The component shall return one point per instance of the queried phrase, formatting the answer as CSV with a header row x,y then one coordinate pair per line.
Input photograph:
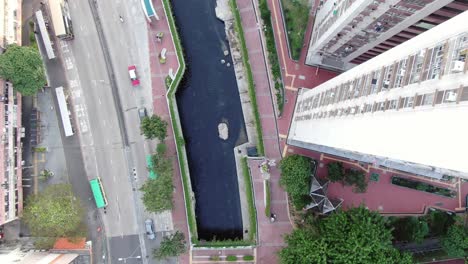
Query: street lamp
x,y
125,259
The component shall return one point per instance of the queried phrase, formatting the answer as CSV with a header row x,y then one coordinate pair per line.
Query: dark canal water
x,y
208,95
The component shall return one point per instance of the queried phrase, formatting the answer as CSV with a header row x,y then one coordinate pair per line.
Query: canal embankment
x,y
206,97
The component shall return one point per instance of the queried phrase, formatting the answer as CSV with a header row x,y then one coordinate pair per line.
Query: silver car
x,y
150,229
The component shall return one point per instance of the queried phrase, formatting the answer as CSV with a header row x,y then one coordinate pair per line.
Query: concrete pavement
x,y
72,155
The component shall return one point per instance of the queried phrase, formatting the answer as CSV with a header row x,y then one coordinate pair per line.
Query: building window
x,y
408,102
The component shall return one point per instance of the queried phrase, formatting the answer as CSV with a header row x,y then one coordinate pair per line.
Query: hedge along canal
x,y
207,96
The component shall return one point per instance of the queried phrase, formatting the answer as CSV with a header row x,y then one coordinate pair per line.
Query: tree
x,y
55,212
22,66
154,127
354,236
409,229
171,246
295,178
157,193
455,243
45,175
356,178
335,171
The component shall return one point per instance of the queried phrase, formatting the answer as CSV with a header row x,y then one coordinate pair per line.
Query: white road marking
x,y
99,99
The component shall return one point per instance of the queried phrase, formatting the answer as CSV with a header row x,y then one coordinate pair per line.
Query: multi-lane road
x,y
105,115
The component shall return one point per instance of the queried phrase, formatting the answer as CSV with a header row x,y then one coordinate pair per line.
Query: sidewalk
x,y
270,235
158,74
295,74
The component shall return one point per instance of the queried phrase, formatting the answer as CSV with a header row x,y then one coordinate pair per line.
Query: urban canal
x,y
208,96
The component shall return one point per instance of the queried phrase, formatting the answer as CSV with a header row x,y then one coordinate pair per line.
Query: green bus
x,y
98,193
149,163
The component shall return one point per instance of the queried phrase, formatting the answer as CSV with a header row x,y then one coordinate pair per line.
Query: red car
x,y
133,75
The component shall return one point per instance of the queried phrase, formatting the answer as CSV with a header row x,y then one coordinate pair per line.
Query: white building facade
x,y
349,32
406,109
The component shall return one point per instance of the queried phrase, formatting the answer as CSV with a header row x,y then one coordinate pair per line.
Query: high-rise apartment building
x,y
11,188
10,22
349,32
406,109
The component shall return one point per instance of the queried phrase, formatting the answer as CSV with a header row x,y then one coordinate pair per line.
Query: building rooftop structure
x,y
404,109
350,32
11,132
63,252
10,22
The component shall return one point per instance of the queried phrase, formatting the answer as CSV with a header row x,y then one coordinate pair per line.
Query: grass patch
x,y
245,60
250,200
180,144
272,54
267,202
224,243
296,16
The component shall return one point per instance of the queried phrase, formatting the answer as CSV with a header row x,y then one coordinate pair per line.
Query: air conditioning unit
x,y
451,97
457,66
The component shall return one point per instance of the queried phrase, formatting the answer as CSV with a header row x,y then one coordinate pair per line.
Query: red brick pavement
x,y
160,107
270,235
383,196
296,74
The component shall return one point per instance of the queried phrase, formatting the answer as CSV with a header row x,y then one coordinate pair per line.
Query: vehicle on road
x,y
142,113
150,229
133,75
98,193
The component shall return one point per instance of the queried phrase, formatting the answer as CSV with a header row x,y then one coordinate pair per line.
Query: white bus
x,y
64,113
61,19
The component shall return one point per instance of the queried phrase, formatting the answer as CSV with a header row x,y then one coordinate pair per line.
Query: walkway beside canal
x,y
158,74
270,235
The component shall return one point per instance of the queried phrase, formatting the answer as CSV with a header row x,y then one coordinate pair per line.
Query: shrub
x,y
295,177
231,258
356,178
335,171
161,149
267,202
248,257
215,258
421,186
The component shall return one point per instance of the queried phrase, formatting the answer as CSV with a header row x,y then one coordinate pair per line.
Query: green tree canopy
x,y
354,236
22,66
295,178
409,229
356,178
335,171
54,212
154,127
455,243
157,193
171,246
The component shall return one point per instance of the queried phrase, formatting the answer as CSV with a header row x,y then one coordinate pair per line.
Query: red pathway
x,y
160,108
270,235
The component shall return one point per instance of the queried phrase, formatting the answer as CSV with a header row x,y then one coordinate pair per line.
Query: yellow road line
x,y
291,88
285,150
280,40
